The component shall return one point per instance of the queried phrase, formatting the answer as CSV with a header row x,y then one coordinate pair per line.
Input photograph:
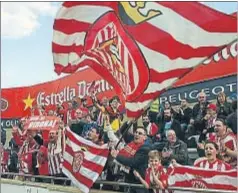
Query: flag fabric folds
x,y
140,48
185,176
83,161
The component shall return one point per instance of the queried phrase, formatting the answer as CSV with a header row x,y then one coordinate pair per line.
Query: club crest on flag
x,y
132,13
116,51
77,161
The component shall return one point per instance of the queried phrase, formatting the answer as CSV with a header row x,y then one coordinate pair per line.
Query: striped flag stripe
x,y
168,45
216,186
184,52
208,172
210,38
92,148
63,39
86,181
73,178
88,156
187,26
185,9
86,3
185,176
86,169
159,77
92,163
59,49
72,26
85,13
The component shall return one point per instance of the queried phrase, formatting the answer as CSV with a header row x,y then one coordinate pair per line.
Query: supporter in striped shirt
x,y
4,155
227,142
155,175
211,160
55,152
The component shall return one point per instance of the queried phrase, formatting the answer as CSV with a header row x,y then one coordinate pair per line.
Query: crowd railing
x,y
103,182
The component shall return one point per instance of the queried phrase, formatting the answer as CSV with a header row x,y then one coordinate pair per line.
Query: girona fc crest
x,y
4,104
120,55
77,161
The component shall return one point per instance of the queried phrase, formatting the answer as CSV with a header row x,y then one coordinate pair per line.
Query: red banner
x,y
221,64
17,102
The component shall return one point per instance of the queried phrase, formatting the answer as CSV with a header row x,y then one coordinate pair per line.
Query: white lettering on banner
x,y
68,93
83,87
39,124
224,54
207,92
65,95
172,98
217,89
231,86
192,94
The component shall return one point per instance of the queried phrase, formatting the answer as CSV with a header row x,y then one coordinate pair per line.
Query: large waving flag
x,y
140,48
83,161
192,177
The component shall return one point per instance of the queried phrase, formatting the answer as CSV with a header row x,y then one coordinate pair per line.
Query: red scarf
x,y
130,149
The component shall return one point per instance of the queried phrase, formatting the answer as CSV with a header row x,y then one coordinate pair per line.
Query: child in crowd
x,y
155,175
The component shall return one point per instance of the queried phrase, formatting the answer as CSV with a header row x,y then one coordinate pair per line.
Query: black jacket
x,y
231,121
77,127
223,110
139,162
185,117
180,153
196,110
3,136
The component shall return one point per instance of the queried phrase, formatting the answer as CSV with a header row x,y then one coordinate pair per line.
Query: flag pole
x,y
131,122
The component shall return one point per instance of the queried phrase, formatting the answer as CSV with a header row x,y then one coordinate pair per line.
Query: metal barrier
x,y
123,184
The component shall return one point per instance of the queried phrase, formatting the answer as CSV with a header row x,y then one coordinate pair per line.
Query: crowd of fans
x,y
145,150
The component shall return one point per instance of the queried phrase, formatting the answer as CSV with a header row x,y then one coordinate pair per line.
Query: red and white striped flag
x,y
83,161
140,48
193,177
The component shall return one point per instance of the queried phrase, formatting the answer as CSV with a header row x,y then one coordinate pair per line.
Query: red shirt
x,y
230,141
163,177
218,165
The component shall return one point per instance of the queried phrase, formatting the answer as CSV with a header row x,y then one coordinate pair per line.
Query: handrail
x,y
122,183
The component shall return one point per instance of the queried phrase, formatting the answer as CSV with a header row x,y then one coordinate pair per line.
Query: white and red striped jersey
x,y
100,119
25,156
55,159
4,161
230,141
55,155
217,165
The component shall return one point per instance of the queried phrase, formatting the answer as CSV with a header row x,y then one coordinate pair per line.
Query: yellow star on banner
x,y
28,102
